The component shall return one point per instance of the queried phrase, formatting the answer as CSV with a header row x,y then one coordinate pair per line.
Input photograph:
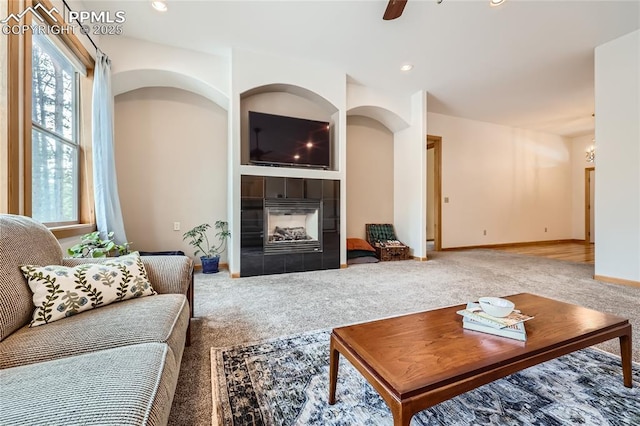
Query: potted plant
x,y
91,245
210,252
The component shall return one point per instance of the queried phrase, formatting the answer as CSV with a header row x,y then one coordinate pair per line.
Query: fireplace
x,y
291,203
292,226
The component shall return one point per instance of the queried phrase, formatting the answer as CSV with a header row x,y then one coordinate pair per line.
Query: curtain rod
x,y
80,24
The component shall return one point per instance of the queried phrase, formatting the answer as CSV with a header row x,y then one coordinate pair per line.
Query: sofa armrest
x,y
167,274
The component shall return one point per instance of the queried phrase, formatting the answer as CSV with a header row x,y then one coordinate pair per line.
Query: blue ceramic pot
x,y
210,264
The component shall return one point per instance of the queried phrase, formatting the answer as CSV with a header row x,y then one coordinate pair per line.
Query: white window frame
x,y
74,142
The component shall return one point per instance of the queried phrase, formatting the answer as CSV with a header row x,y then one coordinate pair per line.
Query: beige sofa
x,y
114,365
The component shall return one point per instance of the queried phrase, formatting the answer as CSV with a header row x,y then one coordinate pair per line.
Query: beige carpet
x,y
235,311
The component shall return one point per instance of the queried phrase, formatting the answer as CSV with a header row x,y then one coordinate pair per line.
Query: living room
x,y
543,171
180,131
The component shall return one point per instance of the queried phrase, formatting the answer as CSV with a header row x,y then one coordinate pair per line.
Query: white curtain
x,y
108,212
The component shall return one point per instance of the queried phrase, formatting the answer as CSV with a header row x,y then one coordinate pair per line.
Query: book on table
x,y
514,331
475,312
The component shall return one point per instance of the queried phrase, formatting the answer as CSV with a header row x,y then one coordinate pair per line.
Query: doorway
x,y
434,191
589,210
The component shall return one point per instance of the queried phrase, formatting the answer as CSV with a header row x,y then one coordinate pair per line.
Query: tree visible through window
x,y
55,147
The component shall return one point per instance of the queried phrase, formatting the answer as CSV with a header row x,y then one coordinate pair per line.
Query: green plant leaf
x,y
197,237
91,245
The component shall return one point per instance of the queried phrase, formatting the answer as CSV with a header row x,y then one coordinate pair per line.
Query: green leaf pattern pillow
x,y
60,291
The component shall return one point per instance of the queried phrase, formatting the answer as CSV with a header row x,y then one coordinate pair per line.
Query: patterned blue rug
x,y
285,382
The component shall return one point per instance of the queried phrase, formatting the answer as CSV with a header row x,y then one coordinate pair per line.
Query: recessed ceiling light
x,y
406,67
496,2
160,6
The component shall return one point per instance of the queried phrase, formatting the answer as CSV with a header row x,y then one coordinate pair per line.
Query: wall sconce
x,y
591,154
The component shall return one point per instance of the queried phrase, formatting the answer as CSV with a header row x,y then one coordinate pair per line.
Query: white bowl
x,y
496,306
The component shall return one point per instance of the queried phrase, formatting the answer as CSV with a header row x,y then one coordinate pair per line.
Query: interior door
x,y
592,198
434,191
431,226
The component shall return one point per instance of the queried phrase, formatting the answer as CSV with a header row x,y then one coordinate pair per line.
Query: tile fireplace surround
x,y
254,191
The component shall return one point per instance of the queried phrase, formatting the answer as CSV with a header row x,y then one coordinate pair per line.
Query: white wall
x,y
369,174
389,109
410,181
138,63
171,160
222,79
579,146
617,88
526,167
510,182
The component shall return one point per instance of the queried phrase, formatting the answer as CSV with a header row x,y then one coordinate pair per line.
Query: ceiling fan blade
x,y
394,9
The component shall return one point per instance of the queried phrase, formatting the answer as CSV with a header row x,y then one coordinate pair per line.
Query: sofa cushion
x,y
60,291
168,274
22,241
359,244
162,318
131,385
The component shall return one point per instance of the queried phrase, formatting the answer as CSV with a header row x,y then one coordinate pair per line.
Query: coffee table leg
x,y
334,358
625,355
401,419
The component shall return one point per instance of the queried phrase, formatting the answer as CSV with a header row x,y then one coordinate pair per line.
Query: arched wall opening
x,y
388,118
370,166
171,162
287,101
126,81
369,174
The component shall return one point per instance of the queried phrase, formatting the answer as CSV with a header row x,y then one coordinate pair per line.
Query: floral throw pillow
x,y
60,291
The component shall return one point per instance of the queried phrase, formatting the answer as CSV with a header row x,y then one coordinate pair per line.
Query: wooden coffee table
x,y
416,361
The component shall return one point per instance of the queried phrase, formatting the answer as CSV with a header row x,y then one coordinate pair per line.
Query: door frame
x,y
435,142
587,204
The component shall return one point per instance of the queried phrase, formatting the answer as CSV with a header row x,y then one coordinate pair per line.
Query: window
x,y
46,172
54,135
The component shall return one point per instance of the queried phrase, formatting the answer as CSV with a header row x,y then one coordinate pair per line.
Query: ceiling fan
x,y
395,8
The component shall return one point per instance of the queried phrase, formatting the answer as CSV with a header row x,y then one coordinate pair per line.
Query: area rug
x,y
284,381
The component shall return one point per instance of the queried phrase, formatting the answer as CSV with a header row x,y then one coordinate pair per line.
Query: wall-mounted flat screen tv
x,y
276,140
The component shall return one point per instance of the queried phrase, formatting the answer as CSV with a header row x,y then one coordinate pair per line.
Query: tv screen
x,y
277,140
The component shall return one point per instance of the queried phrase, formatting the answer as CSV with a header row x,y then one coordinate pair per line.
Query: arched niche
x,y
389,119
169,128
286,100
127,81
293,90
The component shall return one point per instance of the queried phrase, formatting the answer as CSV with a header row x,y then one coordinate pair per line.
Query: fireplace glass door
x,y
292,226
